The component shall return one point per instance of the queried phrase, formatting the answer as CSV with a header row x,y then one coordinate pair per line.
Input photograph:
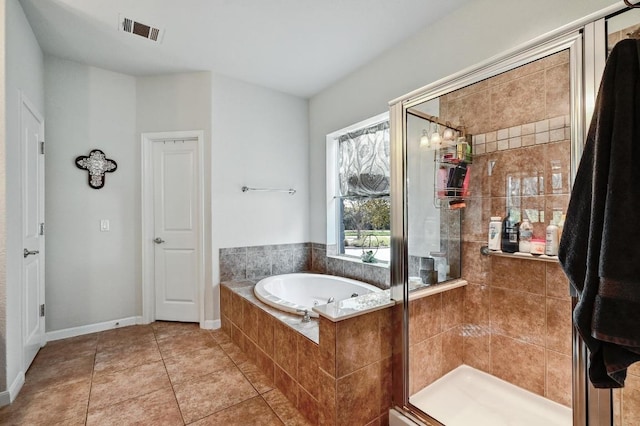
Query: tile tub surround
x,y
325,376
255,262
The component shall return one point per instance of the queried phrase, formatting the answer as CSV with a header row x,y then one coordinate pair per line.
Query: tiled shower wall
x,y
517,313
255,262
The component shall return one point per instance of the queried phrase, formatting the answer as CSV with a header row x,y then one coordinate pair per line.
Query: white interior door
x,y
32,164
176,225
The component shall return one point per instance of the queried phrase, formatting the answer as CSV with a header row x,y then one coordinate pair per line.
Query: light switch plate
x,y
104,225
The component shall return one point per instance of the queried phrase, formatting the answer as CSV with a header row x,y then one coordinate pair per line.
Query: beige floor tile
x,y
122,357
190,365
47,375
253,412
109,389
185,342
133,335
66,404
201,397
164,329
66,349
158,408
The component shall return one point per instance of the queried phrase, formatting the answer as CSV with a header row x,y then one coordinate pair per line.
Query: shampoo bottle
x,y
551,240
509,234
525,235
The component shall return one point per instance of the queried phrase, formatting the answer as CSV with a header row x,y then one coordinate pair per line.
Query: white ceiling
x,y
295,46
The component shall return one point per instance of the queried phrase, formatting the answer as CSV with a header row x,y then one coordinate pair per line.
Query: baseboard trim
x,y
92,328
8,396
211,324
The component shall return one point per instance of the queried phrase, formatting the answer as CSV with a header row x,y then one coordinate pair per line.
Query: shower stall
x,y
487,336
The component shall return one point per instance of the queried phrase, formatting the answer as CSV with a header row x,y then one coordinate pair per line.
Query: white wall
x,y
24,72
91,276
181,102
260,139
471,34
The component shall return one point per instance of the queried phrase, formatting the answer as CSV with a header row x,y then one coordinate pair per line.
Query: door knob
x,y
26,252
158,240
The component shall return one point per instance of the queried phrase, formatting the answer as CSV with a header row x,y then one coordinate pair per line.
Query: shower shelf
x,y
484,250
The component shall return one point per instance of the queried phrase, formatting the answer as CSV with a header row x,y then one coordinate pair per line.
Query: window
x,y
358,182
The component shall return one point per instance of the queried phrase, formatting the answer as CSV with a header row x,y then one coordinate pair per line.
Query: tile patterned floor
x,y
160,374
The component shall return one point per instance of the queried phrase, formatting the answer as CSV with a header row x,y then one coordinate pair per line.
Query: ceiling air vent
x,y
132,26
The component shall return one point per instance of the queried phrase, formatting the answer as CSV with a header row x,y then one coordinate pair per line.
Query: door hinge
x,y
42,228
42,147
42,310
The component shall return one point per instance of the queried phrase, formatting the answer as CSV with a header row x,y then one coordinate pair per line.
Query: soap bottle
x,y
551,240
525,232
509,234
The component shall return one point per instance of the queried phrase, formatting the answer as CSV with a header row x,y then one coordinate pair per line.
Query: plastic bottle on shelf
x,y
525,231
509,234
551,240
494,233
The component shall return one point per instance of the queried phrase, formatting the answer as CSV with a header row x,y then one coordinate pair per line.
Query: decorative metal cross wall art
x,y
97,164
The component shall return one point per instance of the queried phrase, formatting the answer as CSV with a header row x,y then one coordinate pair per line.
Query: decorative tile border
x,y
545,131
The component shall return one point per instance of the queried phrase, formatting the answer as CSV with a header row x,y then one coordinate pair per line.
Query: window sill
x,y
379,263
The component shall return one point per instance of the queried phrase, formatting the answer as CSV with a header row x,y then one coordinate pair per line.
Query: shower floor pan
x,y
466,396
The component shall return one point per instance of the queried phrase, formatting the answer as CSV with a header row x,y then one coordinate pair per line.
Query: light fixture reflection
x,y
425,142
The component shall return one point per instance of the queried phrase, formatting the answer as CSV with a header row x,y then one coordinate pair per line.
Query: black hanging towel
x,y
600,245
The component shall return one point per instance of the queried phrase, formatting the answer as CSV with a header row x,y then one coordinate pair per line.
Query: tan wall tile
x,y
425,363
516,73
559,325
327,346
358,396
477,347
386,385
327,399
307,405
516,274
237,336
518,315
557,281
266,364
235,314
617,407
385,322
285,352
518,101
558,91
472,111
308,353
475,267
265,331
631,401
559,378
475,218
357,343
477,304
251,324
452,308
287,385
452,349
519,363
425,318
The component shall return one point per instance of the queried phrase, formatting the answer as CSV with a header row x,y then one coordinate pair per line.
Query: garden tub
x,y
299,292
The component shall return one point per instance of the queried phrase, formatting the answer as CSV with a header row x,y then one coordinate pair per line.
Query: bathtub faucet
x,y
306,317
331,299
